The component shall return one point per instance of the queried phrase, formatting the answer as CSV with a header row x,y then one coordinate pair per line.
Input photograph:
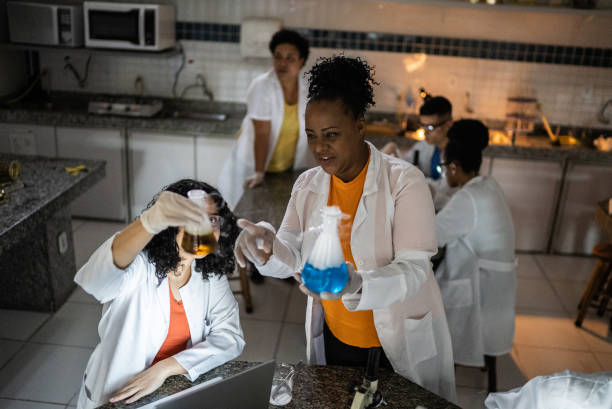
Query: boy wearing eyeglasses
x,y
435,117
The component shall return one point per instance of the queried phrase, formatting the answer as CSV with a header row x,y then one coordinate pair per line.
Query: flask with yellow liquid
x,y
199,239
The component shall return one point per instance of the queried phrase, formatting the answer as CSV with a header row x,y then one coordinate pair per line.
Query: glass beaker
x,y
282,384
199,239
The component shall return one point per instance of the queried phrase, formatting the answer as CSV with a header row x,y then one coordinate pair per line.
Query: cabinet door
x,y
211,154
531,189
156,160
576,231
24,139
107,199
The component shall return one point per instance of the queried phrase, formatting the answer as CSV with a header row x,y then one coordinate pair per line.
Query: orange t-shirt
x,y
354,328
178,331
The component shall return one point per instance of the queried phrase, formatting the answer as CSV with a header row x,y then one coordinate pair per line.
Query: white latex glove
x,y
255,179
254,243
353,285
171,209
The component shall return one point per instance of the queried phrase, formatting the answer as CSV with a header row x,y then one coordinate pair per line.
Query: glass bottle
x,y
325,269
199,239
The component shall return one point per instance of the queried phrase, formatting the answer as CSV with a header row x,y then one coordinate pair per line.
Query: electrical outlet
x,y
62,242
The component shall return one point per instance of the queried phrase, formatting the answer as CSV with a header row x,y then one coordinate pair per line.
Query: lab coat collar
x,y
474,180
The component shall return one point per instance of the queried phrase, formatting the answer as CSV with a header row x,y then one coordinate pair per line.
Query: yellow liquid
x,y
197,244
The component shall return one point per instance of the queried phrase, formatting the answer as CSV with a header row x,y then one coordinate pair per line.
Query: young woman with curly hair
x,y
166,312
392,300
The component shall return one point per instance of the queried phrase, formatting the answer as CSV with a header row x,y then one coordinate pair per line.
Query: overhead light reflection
x,y
414,62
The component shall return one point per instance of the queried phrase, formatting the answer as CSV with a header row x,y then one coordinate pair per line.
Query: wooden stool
x,y
245,290
600,284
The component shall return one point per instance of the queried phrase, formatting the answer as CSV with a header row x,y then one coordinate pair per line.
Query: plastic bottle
x,y
199,239
326,269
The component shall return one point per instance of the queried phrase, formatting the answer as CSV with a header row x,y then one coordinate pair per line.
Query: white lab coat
x,y
135,320
265,102
440,190
478,274
392,240
564,390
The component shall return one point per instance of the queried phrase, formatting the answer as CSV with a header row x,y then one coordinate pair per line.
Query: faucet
x,y
199,83
602,113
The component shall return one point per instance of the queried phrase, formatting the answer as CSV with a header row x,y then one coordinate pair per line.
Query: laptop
x,y
247,389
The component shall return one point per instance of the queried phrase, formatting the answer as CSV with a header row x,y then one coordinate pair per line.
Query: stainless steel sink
x,y
203,116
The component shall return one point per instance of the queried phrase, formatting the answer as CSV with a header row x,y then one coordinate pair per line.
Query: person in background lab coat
x,y
478,274
436,118
166,312
392,299
272,137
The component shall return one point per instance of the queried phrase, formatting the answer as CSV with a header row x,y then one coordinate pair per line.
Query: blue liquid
x,y
332,279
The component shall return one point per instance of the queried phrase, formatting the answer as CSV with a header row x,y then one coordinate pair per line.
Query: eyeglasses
x,y
442,166
433,127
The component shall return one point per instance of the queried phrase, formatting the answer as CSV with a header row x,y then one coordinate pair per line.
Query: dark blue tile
x,y
408,47
482,53
444,51
588,52
550,49
548,58
455,42
455,52
426,40
446,42
436,41
558,59
363,36
371,46
398,48
579,51
474,43
435,50
502,46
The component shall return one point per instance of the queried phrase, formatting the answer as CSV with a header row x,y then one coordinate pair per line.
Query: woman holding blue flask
x,y
391,298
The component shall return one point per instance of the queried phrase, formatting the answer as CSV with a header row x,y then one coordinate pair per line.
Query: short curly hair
x,y
163,252
467,138
350,80
294,38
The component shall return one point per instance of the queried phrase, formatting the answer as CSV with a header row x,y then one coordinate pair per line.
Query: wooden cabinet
x,y
108,198
531,188
156,160
25,139
576,231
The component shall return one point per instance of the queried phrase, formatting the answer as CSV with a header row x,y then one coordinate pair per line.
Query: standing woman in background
x,y
272,137
392,299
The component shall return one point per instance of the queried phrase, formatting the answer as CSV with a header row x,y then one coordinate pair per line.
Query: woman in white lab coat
x,y
478,275
166,312
272,137
392,298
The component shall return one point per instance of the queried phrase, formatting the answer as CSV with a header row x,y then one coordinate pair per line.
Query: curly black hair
x,y
436,106
163,252
466,140
294,38
347,79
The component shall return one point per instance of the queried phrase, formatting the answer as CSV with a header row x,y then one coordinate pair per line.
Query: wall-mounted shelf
x,y
99,51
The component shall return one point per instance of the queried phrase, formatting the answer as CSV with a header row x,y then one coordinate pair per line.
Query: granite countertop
x,y
316,387
70,109
47,188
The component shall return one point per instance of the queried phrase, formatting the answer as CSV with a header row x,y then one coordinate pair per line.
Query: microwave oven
x,y
45,23
131,26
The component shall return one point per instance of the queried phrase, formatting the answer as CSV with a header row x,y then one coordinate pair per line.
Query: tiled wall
x,y
451,51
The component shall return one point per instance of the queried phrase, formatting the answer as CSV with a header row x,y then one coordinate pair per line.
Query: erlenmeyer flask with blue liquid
x,y
325,269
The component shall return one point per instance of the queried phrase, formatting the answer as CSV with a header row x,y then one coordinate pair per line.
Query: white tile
x,y
596,331
21,404
80,296
570,293
509,374
296,311
537,294
548,329
20,325
567,267
527,267
8,349
537,361
292,344
269,299
605,360
90,236
471,398
44,373
74,324
261,338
